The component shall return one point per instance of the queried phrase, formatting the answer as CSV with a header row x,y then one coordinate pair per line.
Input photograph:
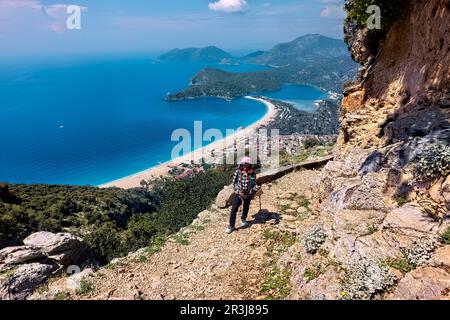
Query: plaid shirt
x,y
244,183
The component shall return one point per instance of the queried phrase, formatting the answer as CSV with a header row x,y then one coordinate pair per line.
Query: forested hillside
x,y
112,221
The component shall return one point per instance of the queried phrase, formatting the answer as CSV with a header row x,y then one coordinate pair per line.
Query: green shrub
x,y
277,285
401,264
105,242
401,201
85,287
312,273
156,244
280,240
365,279
433,162
143,259
445,237
420,251
391,11
313,239
312,142
58,208
185,199
140,230
61,296
8,273
371,229
111,221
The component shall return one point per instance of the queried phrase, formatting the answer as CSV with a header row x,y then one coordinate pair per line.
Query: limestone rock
x,y
436,191
446,193
24,280
399,229
423,284
337,178
367,195
288,218
441,257
302,210
357,222
64,248
412,221
204,215
373,163
18,255
74,281
324,287
363,44
224,197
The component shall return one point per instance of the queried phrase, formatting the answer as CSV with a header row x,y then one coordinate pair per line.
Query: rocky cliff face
x,y
403,91
385,199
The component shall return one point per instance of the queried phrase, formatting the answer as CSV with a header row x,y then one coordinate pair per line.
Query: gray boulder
x,y
64,248
74,281
223,199
22,281
18,255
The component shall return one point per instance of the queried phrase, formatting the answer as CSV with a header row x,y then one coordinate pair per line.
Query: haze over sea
x,y
94,119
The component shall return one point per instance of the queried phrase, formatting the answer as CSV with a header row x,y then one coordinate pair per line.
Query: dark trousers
x,y
237,201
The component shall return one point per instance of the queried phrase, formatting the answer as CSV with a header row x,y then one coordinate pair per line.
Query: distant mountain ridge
x,y
210,53
311,59
303,48
254,54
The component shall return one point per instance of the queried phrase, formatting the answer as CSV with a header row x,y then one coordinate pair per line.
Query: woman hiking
x,y
245,189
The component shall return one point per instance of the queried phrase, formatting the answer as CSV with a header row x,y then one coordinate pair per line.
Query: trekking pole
x,y
260,206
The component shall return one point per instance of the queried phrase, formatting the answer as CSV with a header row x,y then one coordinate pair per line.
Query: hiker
x,y
245,189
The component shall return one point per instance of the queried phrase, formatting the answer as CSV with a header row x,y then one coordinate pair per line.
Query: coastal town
x,y
290,146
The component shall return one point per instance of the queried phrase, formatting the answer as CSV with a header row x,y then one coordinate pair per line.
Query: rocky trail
x,y
203,262
369,248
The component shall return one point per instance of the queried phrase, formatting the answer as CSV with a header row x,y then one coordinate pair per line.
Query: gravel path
x,y
202,261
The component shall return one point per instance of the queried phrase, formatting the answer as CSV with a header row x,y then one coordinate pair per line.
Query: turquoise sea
x,y
88,120
302,97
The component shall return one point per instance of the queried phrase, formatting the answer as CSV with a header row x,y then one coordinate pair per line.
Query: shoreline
x,y
134,180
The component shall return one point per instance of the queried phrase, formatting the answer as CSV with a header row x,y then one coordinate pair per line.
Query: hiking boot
x,y
229,230
245,224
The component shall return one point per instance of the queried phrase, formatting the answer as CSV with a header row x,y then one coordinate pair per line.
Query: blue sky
x,y
38,26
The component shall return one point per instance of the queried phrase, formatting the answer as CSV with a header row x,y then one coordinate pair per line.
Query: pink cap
x,y
246,160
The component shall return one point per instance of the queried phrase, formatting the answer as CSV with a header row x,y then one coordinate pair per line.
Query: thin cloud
x,y
58,14
33,13
9,7
333,11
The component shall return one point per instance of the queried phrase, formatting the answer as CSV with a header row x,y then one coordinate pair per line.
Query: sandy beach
x,y
134,180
